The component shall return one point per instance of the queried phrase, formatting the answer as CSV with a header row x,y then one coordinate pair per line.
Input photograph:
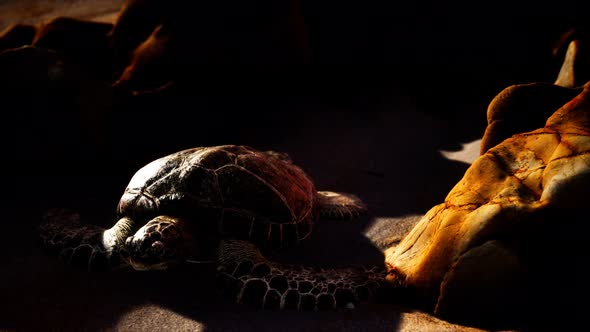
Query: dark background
x,y
448,58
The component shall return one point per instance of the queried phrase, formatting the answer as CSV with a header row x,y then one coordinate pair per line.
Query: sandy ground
x,y
398,159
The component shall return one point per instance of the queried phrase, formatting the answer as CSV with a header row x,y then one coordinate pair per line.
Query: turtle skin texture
x,y
246,277
509,234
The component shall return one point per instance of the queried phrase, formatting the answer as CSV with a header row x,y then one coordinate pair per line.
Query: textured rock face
x,y
525,107
522,108
507,219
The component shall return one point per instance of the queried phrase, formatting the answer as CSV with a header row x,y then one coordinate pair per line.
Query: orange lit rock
x,y
522,108
525,107
475,253
151,63
17,35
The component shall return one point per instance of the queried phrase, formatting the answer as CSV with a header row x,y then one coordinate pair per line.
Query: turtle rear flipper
x,y
340,205
245,276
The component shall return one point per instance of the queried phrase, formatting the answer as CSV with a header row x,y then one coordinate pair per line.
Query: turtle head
x,y
163,242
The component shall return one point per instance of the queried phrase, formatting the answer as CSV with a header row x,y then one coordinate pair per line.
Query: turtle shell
x,y
232,191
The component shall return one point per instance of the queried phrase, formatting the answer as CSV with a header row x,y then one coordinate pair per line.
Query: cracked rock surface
x,y
479,253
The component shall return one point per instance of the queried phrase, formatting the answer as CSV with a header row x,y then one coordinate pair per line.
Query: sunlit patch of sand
x,y
151,317
468,153
385,232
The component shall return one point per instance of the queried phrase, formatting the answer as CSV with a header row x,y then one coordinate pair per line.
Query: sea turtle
x,y
220,203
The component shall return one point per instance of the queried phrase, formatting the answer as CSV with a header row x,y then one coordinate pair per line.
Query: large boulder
x,y
510,234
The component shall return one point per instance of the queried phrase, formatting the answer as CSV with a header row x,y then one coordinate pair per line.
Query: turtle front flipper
x,y
244,275
83,245
340,205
